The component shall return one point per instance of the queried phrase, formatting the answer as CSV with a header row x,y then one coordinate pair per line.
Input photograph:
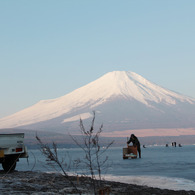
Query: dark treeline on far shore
x,y
65,140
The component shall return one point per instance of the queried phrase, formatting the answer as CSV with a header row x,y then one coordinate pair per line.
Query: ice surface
x,y
156,182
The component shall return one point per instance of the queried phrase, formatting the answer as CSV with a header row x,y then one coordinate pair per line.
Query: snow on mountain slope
x,y
123,85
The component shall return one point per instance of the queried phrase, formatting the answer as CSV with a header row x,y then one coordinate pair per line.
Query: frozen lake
x,y
160,166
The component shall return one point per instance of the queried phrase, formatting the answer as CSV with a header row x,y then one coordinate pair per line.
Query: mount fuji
x,y
122,100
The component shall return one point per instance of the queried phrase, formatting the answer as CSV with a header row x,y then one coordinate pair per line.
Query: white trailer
x,y
11,150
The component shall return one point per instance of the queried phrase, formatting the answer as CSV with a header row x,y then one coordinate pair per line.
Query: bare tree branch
x,y
93,152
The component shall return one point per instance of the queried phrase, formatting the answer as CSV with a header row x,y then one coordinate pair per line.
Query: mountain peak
x,y
132,85
116,86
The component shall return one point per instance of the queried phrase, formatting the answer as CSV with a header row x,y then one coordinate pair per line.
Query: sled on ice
x,y
130,152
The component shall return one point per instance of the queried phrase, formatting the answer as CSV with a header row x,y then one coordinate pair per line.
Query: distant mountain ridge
x,y
122,100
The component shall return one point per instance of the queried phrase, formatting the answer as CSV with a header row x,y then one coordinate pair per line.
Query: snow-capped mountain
x,y
122,100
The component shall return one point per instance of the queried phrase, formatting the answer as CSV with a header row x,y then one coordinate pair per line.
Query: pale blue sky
x,y
48,48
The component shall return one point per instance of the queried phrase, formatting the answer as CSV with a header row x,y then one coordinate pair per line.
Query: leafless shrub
x,y
51,155
93,152
93,156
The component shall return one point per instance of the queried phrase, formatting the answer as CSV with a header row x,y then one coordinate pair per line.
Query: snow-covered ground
x,y
39,183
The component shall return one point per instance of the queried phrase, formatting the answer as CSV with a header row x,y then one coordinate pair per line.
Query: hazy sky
x,y
49,48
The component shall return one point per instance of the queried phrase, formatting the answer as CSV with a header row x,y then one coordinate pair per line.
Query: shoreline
x,y
155,181
39,183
